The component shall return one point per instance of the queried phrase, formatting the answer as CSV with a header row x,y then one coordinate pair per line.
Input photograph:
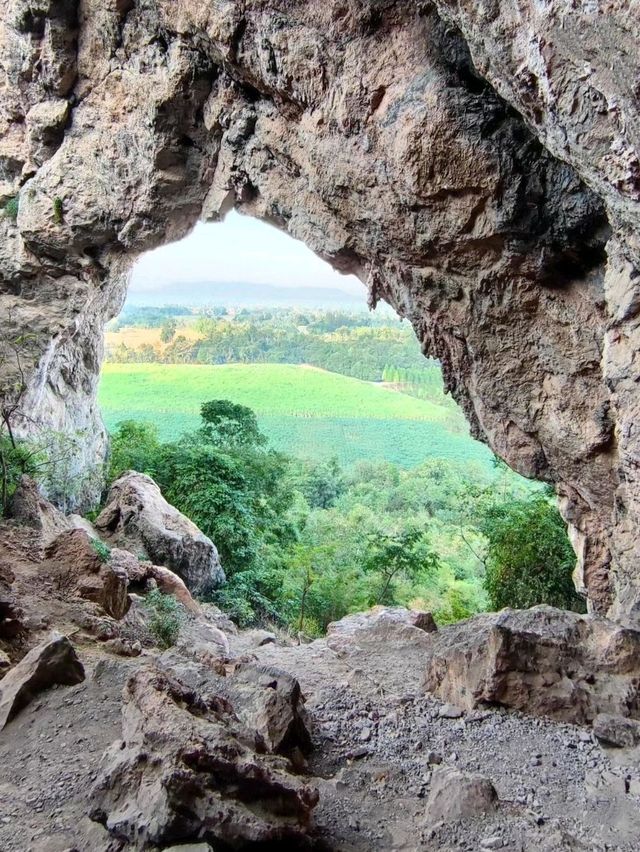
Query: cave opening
x,y
239,338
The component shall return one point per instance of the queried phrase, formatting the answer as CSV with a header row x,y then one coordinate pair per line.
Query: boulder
x,y
381,624
54,661
185,771
616,730
93,573
457,795
269,701
29,508
542,661
138,518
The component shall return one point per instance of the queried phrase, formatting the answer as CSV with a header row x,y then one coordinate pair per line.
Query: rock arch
x,y
474,163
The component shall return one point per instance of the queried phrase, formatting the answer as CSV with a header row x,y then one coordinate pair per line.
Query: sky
x,y
240,249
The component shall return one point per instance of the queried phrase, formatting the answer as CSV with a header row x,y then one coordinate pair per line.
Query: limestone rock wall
x,y
474,163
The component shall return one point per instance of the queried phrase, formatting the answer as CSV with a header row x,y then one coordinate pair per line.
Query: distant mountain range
x,y
230,294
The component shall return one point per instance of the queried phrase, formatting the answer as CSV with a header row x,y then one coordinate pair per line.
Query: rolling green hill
x,y
304,411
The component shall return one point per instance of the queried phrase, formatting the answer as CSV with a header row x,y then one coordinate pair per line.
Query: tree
x,y
404,553
229,424
134,446
529,557
168,330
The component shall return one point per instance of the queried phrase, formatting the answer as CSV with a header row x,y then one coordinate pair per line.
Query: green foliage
x,y
166,618
401,554
529,557
12,207
168,330
58,211
134,446
102,550
229,424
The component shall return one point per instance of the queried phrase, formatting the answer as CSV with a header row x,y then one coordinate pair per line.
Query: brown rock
x,y
137,517
542,661
11,614
31,509
456,795
185,772
54,661
83,568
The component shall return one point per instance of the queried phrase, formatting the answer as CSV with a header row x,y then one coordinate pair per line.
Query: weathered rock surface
x,y
29,508
10,612
457,795
502,222
81,569
51,662
269,701
380,625
137,517
185,770
542,661
616,730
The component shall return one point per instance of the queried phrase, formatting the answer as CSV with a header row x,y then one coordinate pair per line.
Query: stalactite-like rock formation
x,y
475,163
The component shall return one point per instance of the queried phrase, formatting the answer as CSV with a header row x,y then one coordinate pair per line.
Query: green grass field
x,y
304,411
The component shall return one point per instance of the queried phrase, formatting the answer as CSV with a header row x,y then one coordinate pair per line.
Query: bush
x,y
529,557
11,208
104,552
166,618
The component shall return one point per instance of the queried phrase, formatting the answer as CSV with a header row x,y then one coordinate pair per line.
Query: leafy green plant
x,y
11,208
58,211
102,550
166,618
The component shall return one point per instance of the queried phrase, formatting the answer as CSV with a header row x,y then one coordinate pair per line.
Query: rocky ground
x,y
209,739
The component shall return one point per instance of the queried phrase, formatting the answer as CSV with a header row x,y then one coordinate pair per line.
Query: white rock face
x,y
475,163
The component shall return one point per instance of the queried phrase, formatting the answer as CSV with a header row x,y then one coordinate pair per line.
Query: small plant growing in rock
x,y
11,208
103,552
58,212
166,618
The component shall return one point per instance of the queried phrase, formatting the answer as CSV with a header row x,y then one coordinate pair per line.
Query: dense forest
x,y
303,544
354,344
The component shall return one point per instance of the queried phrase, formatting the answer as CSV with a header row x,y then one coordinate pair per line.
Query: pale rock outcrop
x,y
475,164
53,661
186,770
5,662
138,518
542,661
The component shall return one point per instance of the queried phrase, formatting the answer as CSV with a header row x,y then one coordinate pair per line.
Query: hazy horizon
x,y
240,250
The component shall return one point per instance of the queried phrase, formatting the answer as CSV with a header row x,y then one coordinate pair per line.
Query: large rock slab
x,y
186,770
54,661
542,661
136,517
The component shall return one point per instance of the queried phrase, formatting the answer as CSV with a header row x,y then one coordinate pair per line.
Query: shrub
x,y
103,552
11,208
166,618
58,212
